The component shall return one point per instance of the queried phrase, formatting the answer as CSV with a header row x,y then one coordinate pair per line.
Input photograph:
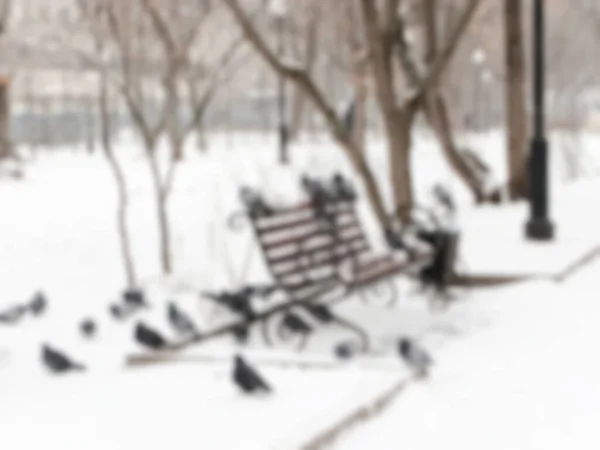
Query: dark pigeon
x,y
38,304
444,197
247,378
255,204
344,351
149,338
320,199
238,303
296,324
241,334
397,242
180,321
415,357
88,328
117,311
341,189
348,117
12,315
135,298
322,313
58,362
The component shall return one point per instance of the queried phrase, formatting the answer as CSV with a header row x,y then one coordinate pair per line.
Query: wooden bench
x,y
304,252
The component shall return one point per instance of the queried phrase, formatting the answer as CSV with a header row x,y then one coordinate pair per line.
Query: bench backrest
x,y
302,251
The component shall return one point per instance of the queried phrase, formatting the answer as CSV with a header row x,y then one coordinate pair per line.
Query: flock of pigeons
x,y
244,375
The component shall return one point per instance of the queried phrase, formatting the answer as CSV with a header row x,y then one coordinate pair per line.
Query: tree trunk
x,y
123,197
437,115
162,193
5,141
360,112
201,143
399,141
515,99
299,101
164,230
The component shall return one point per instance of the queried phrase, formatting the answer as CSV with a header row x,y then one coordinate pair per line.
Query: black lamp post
x,y
279,11
539,227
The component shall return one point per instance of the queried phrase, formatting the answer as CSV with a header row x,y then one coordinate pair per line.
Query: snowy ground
x,y
528,381
58,234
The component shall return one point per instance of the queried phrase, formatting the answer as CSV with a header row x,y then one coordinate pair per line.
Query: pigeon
x,y
256,205
135,298
344,351
396,242
58,362
180,321
348,117
238,303
247,378
322,313
416,357
320,198
12,315
38,304
116,311
148,337
88,328
296,324
443,196
240,333
341,189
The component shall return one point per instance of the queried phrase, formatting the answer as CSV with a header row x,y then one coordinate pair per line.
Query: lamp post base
x,y
539,229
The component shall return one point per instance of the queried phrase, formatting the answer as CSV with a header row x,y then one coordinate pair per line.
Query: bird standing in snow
x,y
247,378
58,362
415,357
148,337
180,321
88,328
341,189
38,304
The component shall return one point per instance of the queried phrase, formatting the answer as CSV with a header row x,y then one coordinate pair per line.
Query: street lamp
x,y
478,58
538,227
279,10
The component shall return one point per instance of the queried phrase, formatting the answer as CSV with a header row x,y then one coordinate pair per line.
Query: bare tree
x,y
515,98
160,76
6,150
309,24
307,84
386,44
95,56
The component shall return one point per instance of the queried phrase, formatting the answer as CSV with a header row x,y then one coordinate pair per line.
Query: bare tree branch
x,y
445,54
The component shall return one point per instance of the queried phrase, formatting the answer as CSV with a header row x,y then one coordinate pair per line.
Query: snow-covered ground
x,y
528,381
58,234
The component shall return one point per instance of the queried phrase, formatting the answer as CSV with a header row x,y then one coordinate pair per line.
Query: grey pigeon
x,y
344,351
135,298
322,313
180,321
58,362
341,189
38,304
247,378
88,328
148,337
296,324
415,357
